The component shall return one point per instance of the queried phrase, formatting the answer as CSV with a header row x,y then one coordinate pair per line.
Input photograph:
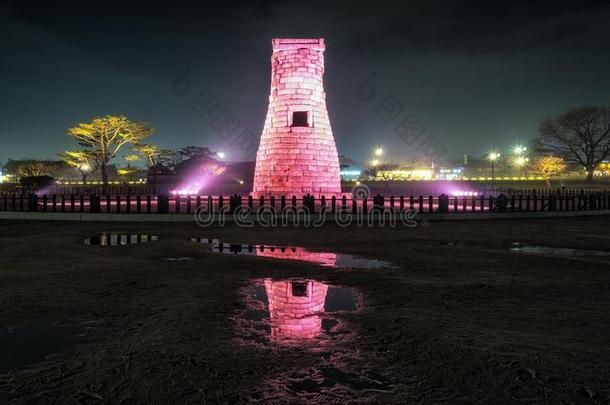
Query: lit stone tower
x,y
297,153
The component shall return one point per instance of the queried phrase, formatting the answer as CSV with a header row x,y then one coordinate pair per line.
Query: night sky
x,y
475,74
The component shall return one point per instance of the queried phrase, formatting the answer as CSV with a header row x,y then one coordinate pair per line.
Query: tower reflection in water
x,y
295,308
292,310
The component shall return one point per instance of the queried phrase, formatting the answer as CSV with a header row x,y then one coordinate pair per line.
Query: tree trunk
x,y
590,174
84,178
104,175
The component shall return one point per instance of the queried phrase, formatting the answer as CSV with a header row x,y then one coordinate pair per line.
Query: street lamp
x,y
519,150
378,151
221,155
493,156
521,161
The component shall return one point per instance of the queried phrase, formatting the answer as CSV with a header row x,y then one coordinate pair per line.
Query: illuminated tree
x,y
105,136
32,168
83,161
152,153
580,135
549,166
387,171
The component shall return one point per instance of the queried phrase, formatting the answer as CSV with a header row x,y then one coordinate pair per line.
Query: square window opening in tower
x,y
299,289
300,119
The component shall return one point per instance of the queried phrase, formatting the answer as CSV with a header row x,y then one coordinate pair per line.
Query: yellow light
x,y
241,182
378,151
375,162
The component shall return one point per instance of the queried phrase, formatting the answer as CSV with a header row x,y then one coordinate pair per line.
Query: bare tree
x,y
580,136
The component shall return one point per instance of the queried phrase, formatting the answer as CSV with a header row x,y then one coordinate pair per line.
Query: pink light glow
x,y
463,193
192,189
297,153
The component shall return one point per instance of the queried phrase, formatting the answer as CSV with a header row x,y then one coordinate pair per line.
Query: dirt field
x,y
462,319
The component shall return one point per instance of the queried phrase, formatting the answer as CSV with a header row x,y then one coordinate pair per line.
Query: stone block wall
x,y
297,160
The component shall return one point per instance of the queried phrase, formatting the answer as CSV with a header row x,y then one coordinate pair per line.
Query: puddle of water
x,y
324,259
119,239
304,314
553,251
294,309
31,343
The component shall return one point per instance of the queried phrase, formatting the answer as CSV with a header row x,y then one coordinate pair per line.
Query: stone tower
x,y
297,153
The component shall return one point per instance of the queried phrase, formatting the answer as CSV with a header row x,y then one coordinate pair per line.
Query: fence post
x,y
592,201
62,204
138,204
420,202
333,205
177,203
250,203
72,198
221,203
95,204
148,204
283,203
443,203
402,203
271,202
162,204
552,202
118,203
33,203
343,203
54,202
512,203
21,202
465,204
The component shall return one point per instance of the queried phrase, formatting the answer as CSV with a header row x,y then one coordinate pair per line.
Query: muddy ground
x,y
462,319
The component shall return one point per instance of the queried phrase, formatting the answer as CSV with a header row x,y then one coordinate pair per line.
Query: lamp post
x,y
493,156
520,158
520,161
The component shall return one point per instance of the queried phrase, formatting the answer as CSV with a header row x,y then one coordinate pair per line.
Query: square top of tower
x,y
282,44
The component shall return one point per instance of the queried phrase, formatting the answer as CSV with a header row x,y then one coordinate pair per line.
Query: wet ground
x,y
460,317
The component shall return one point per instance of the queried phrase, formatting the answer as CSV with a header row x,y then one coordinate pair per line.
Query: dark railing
x,y
165,204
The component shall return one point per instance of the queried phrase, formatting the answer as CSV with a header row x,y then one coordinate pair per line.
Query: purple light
x,y
463,193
